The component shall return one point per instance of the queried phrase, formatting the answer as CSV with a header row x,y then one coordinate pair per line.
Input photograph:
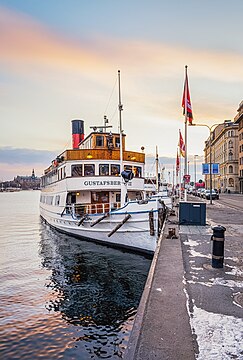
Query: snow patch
x,y
218,336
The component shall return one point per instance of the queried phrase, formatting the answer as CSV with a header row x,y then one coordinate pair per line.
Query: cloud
x,y
12,156
19,161
48,77
26,42
154,71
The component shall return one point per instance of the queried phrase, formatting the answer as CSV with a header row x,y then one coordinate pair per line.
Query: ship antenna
x,y
120,108
157,169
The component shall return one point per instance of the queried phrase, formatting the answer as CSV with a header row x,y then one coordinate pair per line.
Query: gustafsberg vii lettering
x,y
98,183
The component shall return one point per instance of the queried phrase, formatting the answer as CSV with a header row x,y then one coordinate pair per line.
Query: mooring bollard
x,y
218,246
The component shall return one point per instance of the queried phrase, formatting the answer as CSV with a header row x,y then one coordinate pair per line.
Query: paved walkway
x,y
189,309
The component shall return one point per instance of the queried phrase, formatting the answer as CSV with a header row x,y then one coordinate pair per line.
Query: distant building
x,y
27,182
239,121
224,151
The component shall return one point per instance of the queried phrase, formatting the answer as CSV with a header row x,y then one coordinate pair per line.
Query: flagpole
x,y
180,178
177,170
185,159
179,146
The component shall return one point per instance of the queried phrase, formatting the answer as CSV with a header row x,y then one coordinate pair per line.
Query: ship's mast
x,y
120,107
157,169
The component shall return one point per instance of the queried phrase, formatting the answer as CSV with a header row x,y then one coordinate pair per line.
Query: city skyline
x,y
59,61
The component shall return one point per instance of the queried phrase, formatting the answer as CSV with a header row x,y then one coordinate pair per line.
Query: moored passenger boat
x,y
95,191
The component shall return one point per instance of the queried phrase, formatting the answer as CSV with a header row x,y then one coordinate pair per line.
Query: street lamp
x,y
210,155
195,170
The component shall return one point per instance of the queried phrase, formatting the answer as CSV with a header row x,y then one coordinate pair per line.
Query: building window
x,y
115,170
231,169
230,144
104,169
230,155
231,182
100,140
89,170
77,170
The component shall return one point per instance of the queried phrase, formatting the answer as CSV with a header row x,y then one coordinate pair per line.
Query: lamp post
x,y
210,155
195,170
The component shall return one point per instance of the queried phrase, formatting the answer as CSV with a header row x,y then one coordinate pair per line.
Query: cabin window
x,y
104,169
128,167
115,169
89,170
137,170
49,200
99,197
117,141
100,140
57,200
77,170
118,197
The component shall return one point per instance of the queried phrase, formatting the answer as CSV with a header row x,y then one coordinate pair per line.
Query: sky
x,y
59,61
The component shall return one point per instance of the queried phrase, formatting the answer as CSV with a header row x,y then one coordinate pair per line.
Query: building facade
x,y
27,182
225,152
239,121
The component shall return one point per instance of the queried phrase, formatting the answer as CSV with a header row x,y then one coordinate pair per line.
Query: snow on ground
x,y
221,342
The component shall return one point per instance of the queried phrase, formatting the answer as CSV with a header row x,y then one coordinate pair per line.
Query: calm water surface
x,y
60,297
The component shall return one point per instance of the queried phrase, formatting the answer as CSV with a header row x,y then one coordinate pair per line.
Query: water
x,y
61,297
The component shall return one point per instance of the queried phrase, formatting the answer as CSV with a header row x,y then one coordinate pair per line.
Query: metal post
x,y
210,166
218,246
195,170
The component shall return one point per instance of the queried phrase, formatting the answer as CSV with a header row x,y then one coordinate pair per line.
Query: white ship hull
x,y
133,234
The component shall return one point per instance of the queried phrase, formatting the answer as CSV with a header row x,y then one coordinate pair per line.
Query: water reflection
x,y
95,289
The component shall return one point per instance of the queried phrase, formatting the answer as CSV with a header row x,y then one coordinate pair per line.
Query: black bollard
x,y
218,246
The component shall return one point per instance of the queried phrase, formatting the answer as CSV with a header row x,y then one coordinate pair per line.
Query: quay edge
x,y
162,328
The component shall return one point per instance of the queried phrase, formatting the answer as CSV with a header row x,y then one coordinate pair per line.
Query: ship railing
x,y
83,209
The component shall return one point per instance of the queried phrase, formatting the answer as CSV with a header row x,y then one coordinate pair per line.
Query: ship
x,y
96,190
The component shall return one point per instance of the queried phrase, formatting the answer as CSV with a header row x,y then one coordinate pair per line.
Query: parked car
x,y
206,195
199,191
202,192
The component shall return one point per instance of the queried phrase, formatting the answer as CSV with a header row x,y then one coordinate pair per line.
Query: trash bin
x,y
192,213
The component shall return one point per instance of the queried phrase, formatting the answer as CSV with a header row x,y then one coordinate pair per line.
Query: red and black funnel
x,y
77,132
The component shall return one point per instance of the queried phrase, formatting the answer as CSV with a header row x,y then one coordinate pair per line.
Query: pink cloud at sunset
x,y
26,42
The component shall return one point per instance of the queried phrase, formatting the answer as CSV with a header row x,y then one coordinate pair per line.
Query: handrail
x,y
85,209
